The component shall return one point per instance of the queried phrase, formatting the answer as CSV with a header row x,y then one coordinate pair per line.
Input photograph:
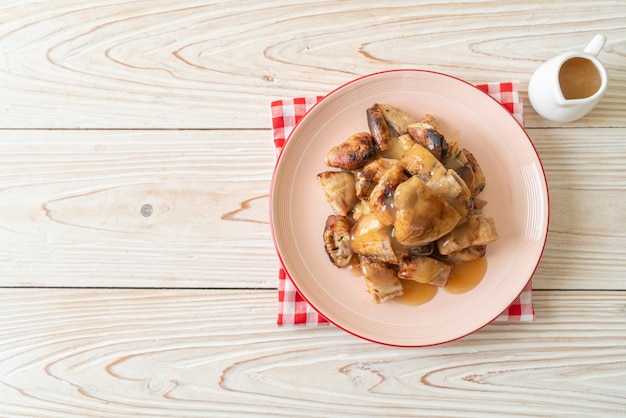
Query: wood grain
x,y
136,262
71,208
193,64
71,204
586,247
183,353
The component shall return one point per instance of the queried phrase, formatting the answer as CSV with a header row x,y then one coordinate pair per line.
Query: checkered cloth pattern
x,y
293,309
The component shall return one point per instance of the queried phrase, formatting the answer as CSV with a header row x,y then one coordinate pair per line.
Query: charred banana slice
x,y
381,280
337,240
429,138
378,127
339,189
425,270
352,153
396,118
475,231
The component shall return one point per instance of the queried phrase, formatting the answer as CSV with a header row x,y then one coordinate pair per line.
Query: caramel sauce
x,y
579,78
466,276
388,211
416,293
396,150
354,267
360,209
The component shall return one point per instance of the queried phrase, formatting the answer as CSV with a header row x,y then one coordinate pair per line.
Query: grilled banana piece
x,y
378,127
368,177
371,238
353,153
339,189
422,215
337,240
476,230
430,138
381,279
396,118
425,270
467,254
381,197
479,176
422,163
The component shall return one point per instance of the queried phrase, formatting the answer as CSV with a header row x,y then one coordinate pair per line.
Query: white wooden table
x,y
137,269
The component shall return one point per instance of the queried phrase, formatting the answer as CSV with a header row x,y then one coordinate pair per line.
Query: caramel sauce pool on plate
x,y
416,293
465,276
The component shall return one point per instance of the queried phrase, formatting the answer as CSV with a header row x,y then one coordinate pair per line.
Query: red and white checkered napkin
x,y
293,309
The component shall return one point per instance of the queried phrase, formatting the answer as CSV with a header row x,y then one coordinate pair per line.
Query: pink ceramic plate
x,y
516,193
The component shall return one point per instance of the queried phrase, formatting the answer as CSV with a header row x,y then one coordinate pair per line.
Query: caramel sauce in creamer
x,y
579,78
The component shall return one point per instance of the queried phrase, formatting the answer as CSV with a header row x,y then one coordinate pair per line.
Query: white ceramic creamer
x,y
569,85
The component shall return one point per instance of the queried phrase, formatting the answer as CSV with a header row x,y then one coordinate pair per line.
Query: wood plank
x,y
71,204
106,353
164,64
71,209
586,247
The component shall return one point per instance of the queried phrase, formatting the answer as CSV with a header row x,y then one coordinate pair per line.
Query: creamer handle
x,y
595,45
